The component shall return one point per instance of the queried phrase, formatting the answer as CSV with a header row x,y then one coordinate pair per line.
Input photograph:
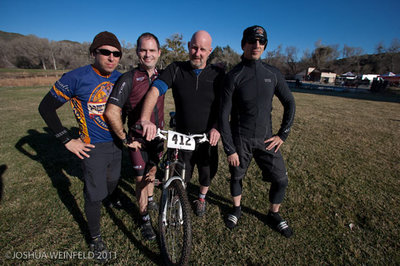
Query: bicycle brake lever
x,y
160,135
203,139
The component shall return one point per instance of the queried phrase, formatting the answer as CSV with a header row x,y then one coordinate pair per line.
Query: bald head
x,y
199,49
201,35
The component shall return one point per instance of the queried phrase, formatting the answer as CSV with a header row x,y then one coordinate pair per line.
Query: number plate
x,y
180,141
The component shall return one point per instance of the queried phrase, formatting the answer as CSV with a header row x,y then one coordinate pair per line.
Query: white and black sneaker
x,y
233,218
275,221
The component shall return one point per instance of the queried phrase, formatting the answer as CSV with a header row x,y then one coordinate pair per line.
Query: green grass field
x,y
343,160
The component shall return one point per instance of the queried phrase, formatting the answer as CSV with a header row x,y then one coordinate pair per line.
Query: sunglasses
x,y
262,41
108,52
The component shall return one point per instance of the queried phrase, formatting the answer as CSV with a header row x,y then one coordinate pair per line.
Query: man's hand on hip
x,y
275,141
79,148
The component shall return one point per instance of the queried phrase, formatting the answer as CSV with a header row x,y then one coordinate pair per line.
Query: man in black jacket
x,y
196,88
246,128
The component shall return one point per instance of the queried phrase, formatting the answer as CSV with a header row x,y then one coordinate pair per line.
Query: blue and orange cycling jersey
x,y
87,91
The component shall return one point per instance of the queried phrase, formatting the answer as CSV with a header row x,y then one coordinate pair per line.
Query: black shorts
x,y
205,157
147,157
103,165
270,162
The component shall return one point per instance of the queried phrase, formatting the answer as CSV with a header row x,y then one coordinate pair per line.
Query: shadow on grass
x,y
380,97
125,187
55,159
224,204
133,211
3,168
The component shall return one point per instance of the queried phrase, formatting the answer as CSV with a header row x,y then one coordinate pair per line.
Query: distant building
x,y
328,77
313,74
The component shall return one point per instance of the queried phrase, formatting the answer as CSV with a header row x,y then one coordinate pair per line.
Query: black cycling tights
x,y
276,192
236,187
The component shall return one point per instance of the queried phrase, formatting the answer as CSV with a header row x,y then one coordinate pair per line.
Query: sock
x,y
202,197
275,216
145,218
237,211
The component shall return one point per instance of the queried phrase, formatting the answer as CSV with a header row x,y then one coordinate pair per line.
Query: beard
x,y
196,64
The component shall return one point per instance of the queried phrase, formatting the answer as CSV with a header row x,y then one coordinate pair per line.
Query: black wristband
x,y
127,140
63,137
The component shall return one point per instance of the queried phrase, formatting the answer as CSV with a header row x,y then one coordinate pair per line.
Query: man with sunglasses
x,y
87,89
246,127
127,100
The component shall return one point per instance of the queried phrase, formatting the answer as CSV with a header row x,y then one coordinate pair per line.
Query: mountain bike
x,y
174,216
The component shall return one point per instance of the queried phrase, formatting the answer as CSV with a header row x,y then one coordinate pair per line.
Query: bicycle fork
x,y
171,199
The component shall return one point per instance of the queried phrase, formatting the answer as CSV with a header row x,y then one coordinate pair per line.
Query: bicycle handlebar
x,y
162,134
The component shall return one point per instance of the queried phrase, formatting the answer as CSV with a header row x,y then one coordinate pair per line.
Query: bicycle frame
x,y
174,216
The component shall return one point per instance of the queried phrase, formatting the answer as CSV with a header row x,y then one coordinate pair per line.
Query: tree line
x,y
31,52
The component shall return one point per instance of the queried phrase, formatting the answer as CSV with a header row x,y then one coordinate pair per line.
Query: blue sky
x,y
289,23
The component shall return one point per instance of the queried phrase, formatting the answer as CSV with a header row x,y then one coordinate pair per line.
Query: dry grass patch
x,y
342,156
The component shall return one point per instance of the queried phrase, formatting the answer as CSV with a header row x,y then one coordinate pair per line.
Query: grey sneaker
x,y
200,207
152,206
99,249
147,231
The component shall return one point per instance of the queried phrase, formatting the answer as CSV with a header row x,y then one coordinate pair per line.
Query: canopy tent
x,y
349,75
391,77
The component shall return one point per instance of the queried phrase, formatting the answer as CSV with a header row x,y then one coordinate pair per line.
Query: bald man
x,y
196,88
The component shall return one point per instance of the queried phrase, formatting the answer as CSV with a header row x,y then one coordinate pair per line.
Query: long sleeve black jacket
x,y
247,99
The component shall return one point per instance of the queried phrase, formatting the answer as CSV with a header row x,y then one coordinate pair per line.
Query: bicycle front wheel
x,y
175,226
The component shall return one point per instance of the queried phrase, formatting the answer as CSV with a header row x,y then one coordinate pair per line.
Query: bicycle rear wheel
x,y
175,226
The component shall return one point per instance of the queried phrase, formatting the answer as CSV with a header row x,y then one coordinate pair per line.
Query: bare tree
x,y
349,51
173,50
6,54
291,59
380,48
324,54
226,55
276,58
353,56
394,46
129,57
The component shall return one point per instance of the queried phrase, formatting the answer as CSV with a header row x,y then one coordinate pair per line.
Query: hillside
x,y
368,63
8,36
20,51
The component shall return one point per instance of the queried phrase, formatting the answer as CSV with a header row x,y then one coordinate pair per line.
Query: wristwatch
x,y
127,140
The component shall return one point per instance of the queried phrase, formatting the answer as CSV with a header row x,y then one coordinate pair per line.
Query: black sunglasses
x,y
108,52
262,41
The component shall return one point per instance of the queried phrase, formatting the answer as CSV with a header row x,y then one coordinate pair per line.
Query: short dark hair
x,y
147,35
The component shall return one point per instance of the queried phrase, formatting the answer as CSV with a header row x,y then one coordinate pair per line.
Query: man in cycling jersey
x,y
87,89
246,127
196,87
127,100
